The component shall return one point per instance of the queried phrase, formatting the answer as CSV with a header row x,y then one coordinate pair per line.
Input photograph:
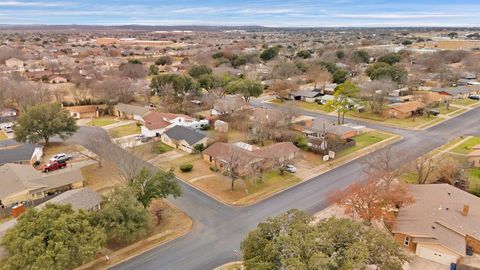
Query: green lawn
x,y
464,102
443,109
102,121
123,131
408,122
364,140
272,180
3,136
474,176
313,106
466,147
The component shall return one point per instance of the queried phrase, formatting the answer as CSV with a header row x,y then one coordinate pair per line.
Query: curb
x,y
340,162
182,233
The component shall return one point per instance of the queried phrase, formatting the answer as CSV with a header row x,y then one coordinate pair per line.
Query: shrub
x,y
301,142
214,169
161,148
205,127
199,147
186,167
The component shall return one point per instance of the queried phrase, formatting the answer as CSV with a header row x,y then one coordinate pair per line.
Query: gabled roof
x,y
183,133
453,91
407,106
16,178
131,109
12,151
306,93
83,198
437,214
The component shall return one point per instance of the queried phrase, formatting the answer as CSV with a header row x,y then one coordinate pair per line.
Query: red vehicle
x,y
54,165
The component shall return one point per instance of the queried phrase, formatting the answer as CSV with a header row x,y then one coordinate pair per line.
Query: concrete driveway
x,y
219,229
418,263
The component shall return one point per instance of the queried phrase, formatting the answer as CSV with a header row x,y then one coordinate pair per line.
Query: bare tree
x,y
319,75
282,88
424,166
382,165
233,164
375,92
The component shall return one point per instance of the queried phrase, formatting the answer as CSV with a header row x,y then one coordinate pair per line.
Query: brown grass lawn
x,y
246,191
101,180
150,150
3,136
102,121
406,123
123,131
174,223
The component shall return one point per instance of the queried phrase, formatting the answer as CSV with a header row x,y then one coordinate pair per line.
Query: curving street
x,y
219,229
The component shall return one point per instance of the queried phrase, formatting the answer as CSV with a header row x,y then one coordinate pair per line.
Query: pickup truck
x,y
54,165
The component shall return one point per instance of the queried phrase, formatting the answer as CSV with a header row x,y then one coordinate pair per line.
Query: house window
x,y
406,240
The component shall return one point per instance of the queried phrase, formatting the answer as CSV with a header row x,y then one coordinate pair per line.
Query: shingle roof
x,y
16,178
407,106
182,133
12,151
453,90
83,198
306,93
437,214
131,109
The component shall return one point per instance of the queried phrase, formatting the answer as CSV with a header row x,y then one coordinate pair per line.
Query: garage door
x,y
434,255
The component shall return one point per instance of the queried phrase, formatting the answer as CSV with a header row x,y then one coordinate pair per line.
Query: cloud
x,y
31,4
399,16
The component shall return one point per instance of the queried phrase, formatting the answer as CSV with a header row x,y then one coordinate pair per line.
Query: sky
x,y
273,13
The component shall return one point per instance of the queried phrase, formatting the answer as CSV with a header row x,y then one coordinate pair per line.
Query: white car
x,y
290,168
8,129
61,157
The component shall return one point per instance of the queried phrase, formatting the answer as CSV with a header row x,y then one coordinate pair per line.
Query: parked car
x,y
62,157
474,97
8,128
290,168
142,138
434,112
54,165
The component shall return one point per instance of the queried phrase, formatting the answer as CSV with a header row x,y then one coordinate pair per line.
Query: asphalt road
x,y
219,229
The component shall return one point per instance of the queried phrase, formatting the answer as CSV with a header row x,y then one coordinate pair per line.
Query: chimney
x,y
466,207
18,209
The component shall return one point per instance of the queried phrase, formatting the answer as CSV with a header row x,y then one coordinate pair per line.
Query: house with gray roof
x,y
12,151
183,138
82,198
306,95
455,92
20,183
128,111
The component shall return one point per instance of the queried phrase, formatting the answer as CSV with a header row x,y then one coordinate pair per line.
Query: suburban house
x,y
7,115
229,104
87,111
474,156
246,158
454,92
183,138
23,183
82,198
156,123
55,79
306,95
433,98
316,127
443,228
403,110
15,64
20,153
128,111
